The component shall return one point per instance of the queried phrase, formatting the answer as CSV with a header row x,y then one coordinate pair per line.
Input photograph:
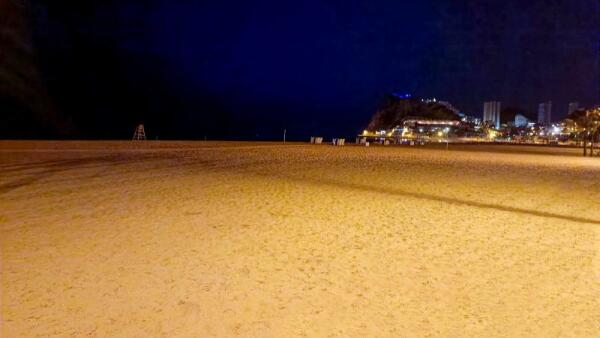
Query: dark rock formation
x,y
395,109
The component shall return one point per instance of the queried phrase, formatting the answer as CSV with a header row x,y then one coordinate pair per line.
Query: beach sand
x,y
202,239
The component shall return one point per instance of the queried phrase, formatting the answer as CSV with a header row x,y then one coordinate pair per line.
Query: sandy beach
x,y
207,239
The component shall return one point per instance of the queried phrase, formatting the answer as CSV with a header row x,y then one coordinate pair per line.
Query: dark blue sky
x,y
242,69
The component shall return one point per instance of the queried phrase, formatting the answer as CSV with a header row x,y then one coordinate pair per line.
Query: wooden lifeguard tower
x,y
139,134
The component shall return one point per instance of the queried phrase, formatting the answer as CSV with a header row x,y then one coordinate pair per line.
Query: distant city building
x,y
491,113
521,121
469,119
545,113
573,106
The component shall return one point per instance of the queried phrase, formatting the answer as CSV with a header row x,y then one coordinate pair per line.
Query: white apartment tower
x,y
491,113
545,113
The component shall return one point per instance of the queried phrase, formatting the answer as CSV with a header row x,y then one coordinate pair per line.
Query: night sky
x,y
249,69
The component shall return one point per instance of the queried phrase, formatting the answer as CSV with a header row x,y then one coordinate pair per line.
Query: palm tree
x,y
593,116
585,123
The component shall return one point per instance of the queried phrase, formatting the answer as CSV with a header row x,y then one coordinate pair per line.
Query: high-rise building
x,y
491,113
573,106
545,113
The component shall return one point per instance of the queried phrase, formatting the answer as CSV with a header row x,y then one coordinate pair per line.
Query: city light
x,y
248,202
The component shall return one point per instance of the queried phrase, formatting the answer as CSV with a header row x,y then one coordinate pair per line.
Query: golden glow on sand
x,y
204,239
